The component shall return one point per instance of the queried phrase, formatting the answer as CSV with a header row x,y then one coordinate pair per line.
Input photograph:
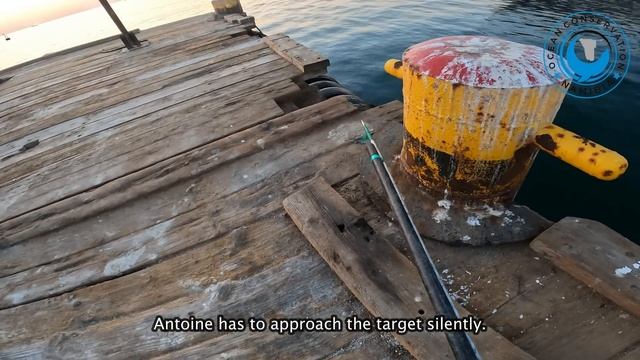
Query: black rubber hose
x,y
334,91
320,78
321,84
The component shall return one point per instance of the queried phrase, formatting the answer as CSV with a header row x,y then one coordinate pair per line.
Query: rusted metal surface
x,y
467,179
473,106
446,219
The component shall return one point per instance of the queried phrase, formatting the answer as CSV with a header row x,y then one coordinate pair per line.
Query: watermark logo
x,y
588,53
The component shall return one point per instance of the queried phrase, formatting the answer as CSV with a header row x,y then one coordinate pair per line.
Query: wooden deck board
x,y
596,255
23,281
224,89
80,85
52,73
133,92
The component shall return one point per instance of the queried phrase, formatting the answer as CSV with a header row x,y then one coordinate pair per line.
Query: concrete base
x,y
445,219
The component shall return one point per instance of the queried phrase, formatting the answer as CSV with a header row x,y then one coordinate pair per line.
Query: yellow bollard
x,y
474,110
594,159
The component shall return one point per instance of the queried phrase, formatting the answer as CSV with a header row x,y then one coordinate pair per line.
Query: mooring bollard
x,y
227,7
476,111
475,108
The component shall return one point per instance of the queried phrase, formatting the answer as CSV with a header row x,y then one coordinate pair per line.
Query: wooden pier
x,y
150,182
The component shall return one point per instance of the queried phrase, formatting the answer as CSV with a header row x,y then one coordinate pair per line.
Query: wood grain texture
x,y
88,258
248,261
307,60
596,255
381,277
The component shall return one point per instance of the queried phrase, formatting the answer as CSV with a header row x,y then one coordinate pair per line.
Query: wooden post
x,y
227,7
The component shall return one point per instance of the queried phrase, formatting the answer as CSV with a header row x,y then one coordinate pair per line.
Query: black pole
x,y
461,344
128,38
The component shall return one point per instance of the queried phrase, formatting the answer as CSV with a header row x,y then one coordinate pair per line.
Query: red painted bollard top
x,y
479,61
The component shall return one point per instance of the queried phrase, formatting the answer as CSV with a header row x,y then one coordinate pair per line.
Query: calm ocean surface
x,y
358,36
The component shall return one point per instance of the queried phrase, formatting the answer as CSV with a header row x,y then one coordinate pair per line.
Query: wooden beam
x,y
383,279
596,255
305,59
240,19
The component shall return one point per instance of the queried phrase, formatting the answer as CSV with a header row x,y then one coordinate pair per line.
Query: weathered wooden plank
x,y
596,255
163,174
249,215
129,155
121,62
43,224
296,287
91,67
42,122
165,35
68,126
97,314
124,139
305,59
379,275
234,84
28,69
81,85
158,240
112,41
126,249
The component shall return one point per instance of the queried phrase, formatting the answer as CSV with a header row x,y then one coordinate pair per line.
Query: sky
x,y
19,14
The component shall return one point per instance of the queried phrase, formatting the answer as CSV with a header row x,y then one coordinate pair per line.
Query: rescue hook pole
x,y
127,37
461,344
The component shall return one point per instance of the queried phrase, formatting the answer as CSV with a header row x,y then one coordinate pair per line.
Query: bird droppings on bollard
x,y
479,61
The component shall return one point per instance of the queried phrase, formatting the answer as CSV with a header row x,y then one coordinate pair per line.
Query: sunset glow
x,y
24,13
